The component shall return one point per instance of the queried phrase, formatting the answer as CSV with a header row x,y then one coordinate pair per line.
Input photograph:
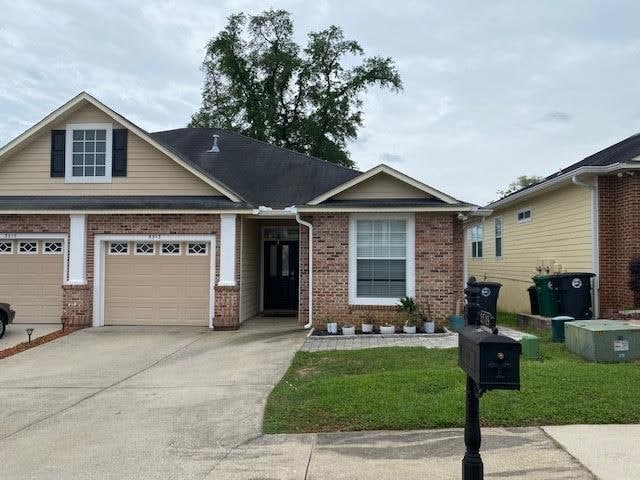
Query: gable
x,y
381,186
26,170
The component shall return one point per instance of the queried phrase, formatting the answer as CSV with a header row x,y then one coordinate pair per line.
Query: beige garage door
x,y
154,283
31,277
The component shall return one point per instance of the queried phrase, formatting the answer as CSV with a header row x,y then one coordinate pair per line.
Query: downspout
x,y
596,239
309,324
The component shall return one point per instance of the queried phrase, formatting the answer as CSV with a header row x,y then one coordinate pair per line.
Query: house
x,y
103,223
585,217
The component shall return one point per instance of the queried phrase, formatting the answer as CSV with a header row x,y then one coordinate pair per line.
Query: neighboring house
x,y
102,223
586,218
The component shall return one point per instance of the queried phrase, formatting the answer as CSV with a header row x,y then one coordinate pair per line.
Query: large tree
x,y
260,82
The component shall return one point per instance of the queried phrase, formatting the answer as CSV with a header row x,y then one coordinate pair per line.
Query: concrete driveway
x,y
139,402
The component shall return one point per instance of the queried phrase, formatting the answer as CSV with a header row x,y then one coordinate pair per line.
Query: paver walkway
x,y
338,342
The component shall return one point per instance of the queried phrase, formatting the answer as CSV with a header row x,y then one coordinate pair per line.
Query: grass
x,y
414,388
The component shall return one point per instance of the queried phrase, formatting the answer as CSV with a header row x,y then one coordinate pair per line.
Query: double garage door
x,y
157,283
31,277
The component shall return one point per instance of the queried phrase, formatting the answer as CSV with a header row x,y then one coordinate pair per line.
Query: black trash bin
x,y
574,294
489,292
533,300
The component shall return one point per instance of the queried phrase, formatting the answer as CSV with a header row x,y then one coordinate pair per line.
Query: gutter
x,y
595,210
564,177
309,324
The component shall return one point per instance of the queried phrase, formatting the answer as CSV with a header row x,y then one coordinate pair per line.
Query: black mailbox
x,y
491,360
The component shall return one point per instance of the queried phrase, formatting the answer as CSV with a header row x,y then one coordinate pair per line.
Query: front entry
x,y
280,275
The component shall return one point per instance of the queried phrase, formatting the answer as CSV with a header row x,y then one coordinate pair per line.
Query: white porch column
x,y
227,250
77,249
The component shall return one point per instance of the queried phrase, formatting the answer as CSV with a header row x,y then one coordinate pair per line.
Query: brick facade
x,y
438,264
619,224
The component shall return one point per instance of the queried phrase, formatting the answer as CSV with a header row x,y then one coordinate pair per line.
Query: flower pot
x,y
332,328
429,327
348,330
386,330
367,328
408,329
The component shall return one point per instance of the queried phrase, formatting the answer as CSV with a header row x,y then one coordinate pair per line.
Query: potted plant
x,y
332,327
348,329
387,329
409,307
367,324
410,325
429,324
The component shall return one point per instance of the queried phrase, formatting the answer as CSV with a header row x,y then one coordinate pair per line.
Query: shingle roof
x,y
621,152
260,173
112,202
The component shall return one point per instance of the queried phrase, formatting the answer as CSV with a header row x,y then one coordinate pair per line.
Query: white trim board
x,y
99,271
389,171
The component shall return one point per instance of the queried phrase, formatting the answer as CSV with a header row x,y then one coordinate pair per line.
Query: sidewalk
x,y
508,453
609,451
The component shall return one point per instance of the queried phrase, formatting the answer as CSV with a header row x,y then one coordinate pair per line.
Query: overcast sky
x,y
493,89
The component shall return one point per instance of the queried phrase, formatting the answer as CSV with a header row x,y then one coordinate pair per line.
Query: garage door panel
x,y
32,284
157,290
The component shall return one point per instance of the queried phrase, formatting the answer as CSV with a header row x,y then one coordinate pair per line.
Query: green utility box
x,y
547,297
530,346
603,340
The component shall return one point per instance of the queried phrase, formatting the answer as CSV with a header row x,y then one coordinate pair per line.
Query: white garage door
x,y
31,277
157,283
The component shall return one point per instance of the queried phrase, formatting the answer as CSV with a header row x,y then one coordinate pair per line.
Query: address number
x,y
8,235
154,237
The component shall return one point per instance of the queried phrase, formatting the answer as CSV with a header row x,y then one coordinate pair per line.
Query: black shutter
x,y
119,156
57,152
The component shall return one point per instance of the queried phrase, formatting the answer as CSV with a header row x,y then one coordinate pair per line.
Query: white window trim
x,y
116,254
175,254
68,156
100,245
143,254
501,237
476,258
204,254
13,247
29,253
526,220
44,247
409,255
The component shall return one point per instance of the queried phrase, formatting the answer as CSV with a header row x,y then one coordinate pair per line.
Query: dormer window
x,y
89,153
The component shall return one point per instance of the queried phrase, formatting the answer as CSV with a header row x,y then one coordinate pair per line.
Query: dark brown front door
x,y
281,275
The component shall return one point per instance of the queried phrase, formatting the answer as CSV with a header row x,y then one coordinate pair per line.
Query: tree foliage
x,y
260,82
521,182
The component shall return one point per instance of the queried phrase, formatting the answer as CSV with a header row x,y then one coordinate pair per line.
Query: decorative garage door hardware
x,y
491,361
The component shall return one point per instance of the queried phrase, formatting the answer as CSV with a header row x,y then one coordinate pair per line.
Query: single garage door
x,y
31,277
157,283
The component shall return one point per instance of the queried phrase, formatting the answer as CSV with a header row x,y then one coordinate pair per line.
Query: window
x,y
6,248
28,248
145,248
170,249
524,215
197,249
497,224
52,248
476,241
119,248
88,153
381,267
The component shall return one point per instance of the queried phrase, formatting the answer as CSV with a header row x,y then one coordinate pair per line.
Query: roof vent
x,y
214,148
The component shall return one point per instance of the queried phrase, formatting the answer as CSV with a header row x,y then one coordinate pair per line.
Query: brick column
x,y
77,305
227,314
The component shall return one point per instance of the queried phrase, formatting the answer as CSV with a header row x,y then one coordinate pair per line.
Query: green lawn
x,y
413,388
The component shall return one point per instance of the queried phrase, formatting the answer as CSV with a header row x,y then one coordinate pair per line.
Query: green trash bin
x,y
557,327
547,296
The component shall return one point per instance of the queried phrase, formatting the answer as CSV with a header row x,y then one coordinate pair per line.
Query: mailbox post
x,y
491,361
